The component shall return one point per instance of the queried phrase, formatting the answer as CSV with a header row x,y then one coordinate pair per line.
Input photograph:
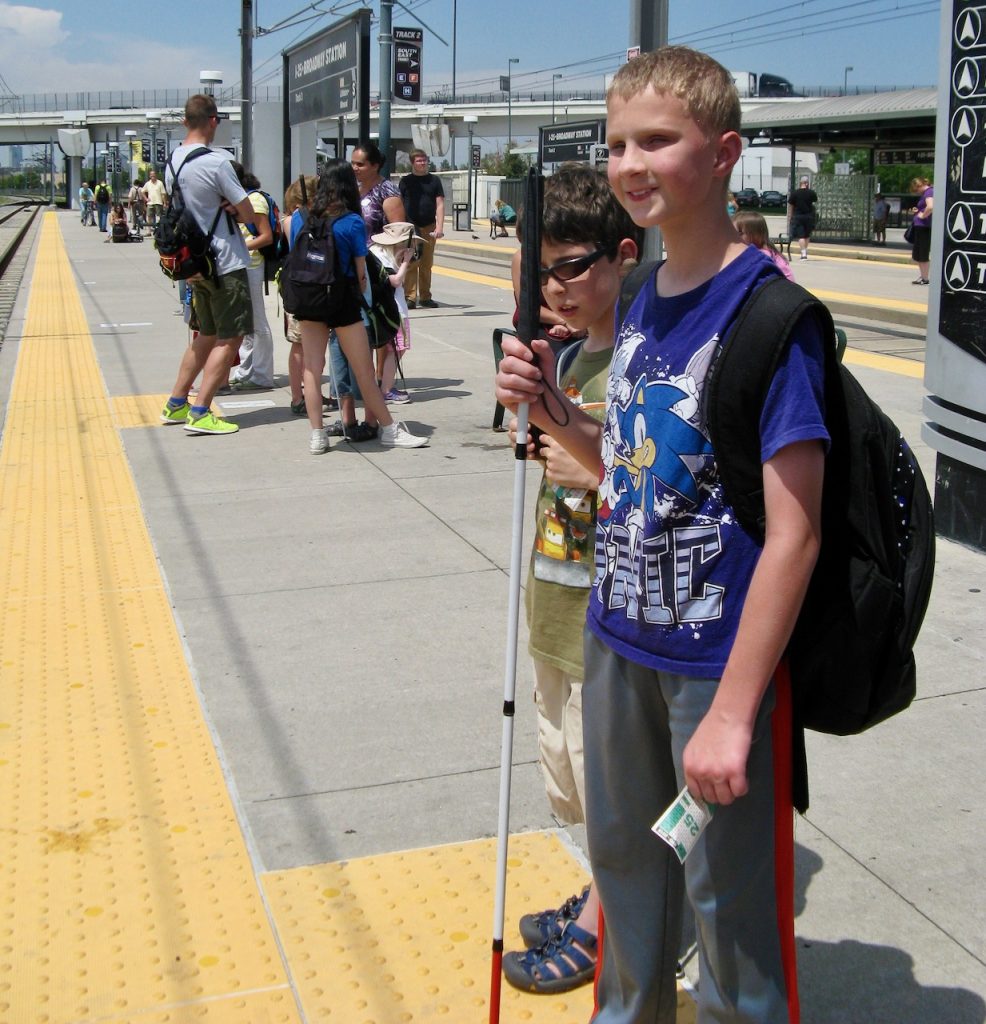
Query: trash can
x,y
462,217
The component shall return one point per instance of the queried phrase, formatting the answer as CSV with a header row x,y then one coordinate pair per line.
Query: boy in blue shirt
x,y
688,617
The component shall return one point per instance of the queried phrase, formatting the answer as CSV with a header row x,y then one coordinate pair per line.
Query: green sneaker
x,y
210,424
171,415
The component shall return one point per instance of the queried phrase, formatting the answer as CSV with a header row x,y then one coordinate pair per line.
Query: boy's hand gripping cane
x,y
527,329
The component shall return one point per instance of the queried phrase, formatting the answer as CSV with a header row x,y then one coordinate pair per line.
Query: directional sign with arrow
x,y
962,307
407,64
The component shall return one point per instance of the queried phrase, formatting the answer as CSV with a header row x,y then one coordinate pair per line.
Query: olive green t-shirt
x,y
565,526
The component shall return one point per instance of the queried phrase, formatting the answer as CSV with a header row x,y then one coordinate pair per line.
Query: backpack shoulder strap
x,y
175,184
630,288
738,381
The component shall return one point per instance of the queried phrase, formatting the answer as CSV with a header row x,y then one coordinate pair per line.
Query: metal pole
x,y
246,85
469,176
648,24
510,95
386,36
649,30
286,169
510,105
454,26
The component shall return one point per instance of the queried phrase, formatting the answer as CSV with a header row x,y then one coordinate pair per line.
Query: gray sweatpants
x,y
637,722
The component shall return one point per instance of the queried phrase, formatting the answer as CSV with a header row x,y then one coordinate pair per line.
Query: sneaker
x,y
169,414
398,436
397,397
804,257
298,408
249,385
411,304
428,304
319,444
210,424
336,429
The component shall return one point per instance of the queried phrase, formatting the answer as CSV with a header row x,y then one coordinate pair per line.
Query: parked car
x,y
771,197
747,197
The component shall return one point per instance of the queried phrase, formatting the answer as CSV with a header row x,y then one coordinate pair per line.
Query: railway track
x,y
16,221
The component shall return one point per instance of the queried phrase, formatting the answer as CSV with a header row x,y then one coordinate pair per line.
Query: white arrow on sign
x,y
967,30
959,271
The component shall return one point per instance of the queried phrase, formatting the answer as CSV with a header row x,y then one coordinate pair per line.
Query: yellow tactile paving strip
x,y
405,938
127,890
137,410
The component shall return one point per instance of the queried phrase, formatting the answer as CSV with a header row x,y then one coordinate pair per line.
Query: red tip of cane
x,y
495,979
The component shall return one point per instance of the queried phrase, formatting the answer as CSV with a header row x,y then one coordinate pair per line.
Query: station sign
x,y
889,157
560,142
160,150
408,43
477,157
145,151
962,306
324,74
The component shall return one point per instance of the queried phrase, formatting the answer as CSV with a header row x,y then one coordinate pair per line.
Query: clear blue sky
x,y
117,44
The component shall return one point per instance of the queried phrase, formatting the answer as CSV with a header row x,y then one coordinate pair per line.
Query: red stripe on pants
x,y
784,836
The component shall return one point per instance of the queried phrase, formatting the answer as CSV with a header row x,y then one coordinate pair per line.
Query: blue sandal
x,y
536,929
564,962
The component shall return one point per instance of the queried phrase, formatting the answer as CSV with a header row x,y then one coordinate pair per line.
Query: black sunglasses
x,y
568,270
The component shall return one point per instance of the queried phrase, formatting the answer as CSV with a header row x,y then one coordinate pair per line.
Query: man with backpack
x,y
203,184
103,205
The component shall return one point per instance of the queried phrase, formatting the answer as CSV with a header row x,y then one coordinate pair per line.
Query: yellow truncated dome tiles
x,y
127,886
127,893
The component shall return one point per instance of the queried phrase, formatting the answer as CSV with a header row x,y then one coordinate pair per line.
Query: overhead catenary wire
x,y
738,39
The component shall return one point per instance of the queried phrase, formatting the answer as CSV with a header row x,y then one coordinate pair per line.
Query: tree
x,y
509,165
895,178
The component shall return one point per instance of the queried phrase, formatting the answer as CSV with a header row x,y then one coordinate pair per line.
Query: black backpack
x,y
309,271
383,314
851,652
102,194
183,248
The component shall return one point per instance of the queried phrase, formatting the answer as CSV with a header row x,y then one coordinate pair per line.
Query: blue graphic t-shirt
x,y
672,564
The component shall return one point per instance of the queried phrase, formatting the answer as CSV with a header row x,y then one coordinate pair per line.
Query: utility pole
x,y
246,85
386,36
648,24
649,31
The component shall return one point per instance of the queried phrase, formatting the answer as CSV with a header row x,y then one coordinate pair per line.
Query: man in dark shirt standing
x,y
801,215
424,203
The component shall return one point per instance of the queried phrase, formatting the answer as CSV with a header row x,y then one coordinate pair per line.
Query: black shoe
x,y
361,432
411,304
428,304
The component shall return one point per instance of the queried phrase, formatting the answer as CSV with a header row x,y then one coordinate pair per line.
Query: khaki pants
x,y
417,282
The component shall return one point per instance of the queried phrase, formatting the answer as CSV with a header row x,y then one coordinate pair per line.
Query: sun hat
x,y
397,232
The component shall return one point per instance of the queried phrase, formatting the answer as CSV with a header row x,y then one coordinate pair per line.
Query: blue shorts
x,y
342,375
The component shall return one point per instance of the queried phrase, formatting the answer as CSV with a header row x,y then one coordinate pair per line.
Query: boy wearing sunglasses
x,y
689,615
588,243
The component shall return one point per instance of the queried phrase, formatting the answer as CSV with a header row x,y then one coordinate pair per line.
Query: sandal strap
x,y
571,952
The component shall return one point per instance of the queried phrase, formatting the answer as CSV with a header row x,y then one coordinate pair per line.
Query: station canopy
x,y
902,119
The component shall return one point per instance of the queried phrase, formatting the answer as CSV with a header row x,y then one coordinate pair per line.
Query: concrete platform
x,y
340,623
